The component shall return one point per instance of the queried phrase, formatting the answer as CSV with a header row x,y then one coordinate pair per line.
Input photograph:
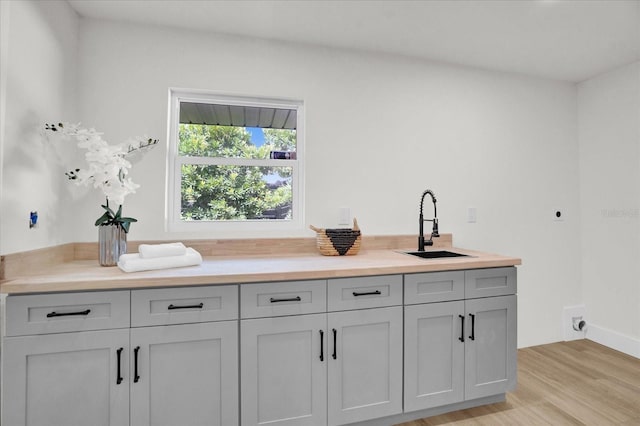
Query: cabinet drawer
x,y
283,298
183,305
364,292
490,282
433,287
64,312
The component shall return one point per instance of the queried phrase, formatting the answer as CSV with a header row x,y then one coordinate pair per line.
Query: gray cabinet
x,y
491,346
433,355
61,375
184,305
459,350
431,287
297,353
346,294
365,364
321,368
67,379
66,312
489,282
185,375
65,359
184,370
284,371
283,298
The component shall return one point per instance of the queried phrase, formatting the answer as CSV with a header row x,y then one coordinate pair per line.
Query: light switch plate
x,y
472,215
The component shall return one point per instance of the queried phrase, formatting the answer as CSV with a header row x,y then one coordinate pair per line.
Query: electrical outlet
x,y
344,216
572,316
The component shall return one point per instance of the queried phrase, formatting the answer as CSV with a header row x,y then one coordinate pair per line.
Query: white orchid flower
x,y
108,168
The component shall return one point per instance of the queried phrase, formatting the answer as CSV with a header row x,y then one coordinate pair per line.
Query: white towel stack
x,y
159,256
150,251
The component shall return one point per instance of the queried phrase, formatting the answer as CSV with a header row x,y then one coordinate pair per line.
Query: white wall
x,y
379,130
609,135
39,55
4,60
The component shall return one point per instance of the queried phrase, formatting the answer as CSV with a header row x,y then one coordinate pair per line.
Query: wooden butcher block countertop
x,y
82,275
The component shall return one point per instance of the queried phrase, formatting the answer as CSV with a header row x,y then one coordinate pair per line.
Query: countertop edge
x,y
85,276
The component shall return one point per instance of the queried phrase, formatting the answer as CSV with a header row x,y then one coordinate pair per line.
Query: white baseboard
x,y
614,340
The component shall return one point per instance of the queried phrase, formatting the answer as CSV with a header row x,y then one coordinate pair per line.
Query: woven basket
x,y
338,242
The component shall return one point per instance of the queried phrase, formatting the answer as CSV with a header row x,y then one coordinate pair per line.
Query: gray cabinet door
x,y
185,375
67,379
490,346
365,375
284,371
433,355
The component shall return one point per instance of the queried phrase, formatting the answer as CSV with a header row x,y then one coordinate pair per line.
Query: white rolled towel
x,y
150,251
132,262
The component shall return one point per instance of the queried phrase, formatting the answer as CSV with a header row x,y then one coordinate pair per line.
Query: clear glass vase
x,y
113,242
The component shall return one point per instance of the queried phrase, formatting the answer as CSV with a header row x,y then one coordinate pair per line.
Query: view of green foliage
x,y
234,192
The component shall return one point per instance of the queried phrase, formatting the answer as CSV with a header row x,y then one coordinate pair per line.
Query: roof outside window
x,y
238,116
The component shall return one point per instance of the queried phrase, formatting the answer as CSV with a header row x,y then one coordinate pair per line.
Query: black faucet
x,y
434,233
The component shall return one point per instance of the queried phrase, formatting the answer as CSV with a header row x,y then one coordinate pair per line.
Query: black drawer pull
x,y
473,327
321,345
198,306
369,293
136,377
461,338
292,299
335,335
119,377
66,314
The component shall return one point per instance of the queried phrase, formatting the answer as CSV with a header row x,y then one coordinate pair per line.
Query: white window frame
x,y
175,162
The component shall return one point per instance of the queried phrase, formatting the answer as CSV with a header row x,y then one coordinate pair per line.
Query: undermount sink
x,y
436,254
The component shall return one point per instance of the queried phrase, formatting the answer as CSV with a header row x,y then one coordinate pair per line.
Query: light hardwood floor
x,y
566,383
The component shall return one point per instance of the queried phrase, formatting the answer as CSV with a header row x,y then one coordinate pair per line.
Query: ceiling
x,y
570,40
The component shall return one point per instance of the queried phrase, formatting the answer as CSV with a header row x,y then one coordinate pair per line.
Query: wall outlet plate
x,y
568,315
344,216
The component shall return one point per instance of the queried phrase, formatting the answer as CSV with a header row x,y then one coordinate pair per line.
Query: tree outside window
x,y
234,191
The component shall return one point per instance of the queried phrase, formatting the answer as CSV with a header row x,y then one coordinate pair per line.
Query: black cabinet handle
x,y
292,299
473,327
198,306
136,377
369,293
461,338
335,338
119,377
65,314
321,345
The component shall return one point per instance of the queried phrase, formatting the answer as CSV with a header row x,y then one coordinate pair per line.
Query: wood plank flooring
x,y
566,383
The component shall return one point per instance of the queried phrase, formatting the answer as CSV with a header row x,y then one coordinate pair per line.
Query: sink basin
x,y
437,254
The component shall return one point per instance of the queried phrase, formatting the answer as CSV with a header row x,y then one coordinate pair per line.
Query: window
x,y
234,163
